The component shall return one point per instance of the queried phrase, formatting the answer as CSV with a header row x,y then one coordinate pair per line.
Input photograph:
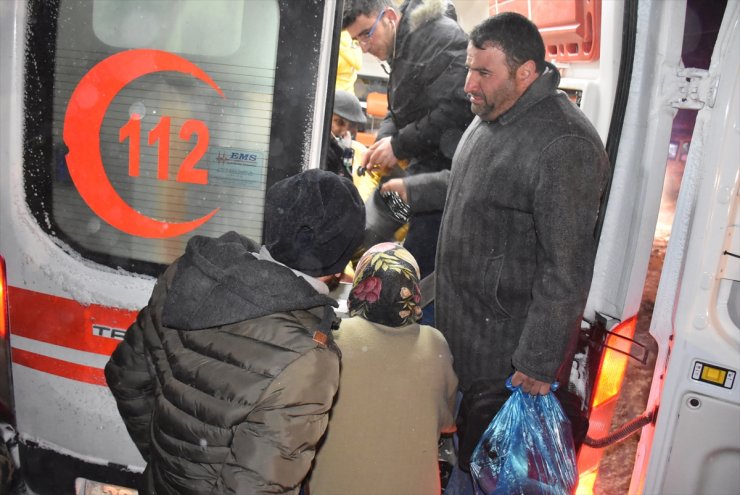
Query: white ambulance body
x,y
130,126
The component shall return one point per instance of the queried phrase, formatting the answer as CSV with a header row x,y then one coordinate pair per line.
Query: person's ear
x,y
392,16
527,71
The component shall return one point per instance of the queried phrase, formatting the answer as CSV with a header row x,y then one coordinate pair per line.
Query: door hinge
x,y
693,88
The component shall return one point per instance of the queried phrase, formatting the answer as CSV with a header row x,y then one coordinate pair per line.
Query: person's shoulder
x,y
433,334
576,122
284,331
430,19
349,327
422,12
558,118
435,347
441,31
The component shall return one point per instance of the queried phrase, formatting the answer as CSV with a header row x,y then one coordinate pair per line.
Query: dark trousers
x,y
478,406
421,240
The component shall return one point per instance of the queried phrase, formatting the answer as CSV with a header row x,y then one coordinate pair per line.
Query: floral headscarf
x,y
386,286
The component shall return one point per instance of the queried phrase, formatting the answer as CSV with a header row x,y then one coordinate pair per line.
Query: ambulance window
x,y
212,28
150,121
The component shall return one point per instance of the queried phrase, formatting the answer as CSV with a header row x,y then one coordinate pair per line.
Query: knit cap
x,y
314,222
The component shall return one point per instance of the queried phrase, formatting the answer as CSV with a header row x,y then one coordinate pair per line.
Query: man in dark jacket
x,y
428,112
517,243
225,379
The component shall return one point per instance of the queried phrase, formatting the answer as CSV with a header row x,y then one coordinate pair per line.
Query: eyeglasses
x,y
364,37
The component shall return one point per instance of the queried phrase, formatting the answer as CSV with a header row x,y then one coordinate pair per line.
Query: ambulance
x,y
128,127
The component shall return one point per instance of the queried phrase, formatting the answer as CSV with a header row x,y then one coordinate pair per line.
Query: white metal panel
x,y
639,172
316,133
599,78
95,429
709,456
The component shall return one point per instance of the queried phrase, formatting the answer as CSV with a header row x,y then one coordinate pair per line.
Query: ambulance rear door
x,y
694,447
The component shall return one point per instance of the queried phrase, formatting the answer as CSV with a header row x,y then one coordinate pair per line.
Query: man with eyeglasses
x,y
424,47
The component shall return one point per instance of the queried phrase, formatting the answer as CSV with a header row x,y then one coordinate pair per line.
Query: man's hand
x,y
529,385
397,186
379,156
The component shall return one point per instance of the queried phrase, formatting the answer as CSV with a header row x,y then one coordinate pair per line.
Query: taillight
x,y
604,399
3,301
614,362
586,482
6,387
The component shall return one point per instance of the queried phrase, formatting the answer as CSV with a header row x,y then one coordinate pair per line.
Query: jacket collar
x,y
417,12
317,284
414,14
544,86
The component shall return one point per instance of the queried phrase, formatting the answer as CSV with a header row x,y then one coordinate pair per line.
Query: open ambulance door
x,y
694,447
690,441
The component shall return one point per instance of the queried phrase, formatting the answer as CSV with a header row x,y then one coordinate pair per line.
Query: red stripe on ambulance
x,y
67,323
65,369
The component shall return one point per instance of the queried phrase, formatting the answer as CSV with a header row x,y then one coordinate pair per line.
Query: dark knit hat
x,y
314,222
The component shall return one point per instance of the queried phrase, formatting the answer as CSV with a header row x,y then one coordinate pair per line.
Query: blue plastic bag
x,y
526,449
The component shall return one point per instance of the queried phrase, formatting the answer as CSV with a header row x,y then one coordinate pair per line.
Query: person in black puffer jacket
x,y
428,110
225,379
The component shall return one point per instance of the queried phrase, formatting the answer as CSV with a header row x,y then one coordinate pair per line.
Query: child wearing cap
x,y
347,116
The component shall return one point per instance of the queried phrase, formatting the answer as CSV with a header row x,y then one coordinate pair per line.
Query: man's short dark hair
x,y
513,34
355,8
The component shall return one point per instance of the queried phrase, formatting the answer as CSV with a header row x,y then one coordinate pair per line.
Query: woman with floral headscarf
x,y
396,387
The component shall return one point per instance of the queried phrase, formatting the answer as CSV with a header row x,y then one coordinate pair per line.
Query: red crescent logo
x,y
87,107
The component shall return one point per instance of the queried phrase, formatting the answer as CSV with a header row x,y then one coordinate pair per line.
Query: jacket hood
x,y
220,281
422,11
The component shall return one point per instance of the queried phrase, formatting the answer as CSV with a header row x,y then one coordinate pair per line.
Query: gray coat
x,y
516,247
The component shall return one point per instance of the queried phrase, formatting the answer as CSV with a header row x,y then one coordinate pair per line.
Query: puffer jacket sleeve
x,y
128,378
278,440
